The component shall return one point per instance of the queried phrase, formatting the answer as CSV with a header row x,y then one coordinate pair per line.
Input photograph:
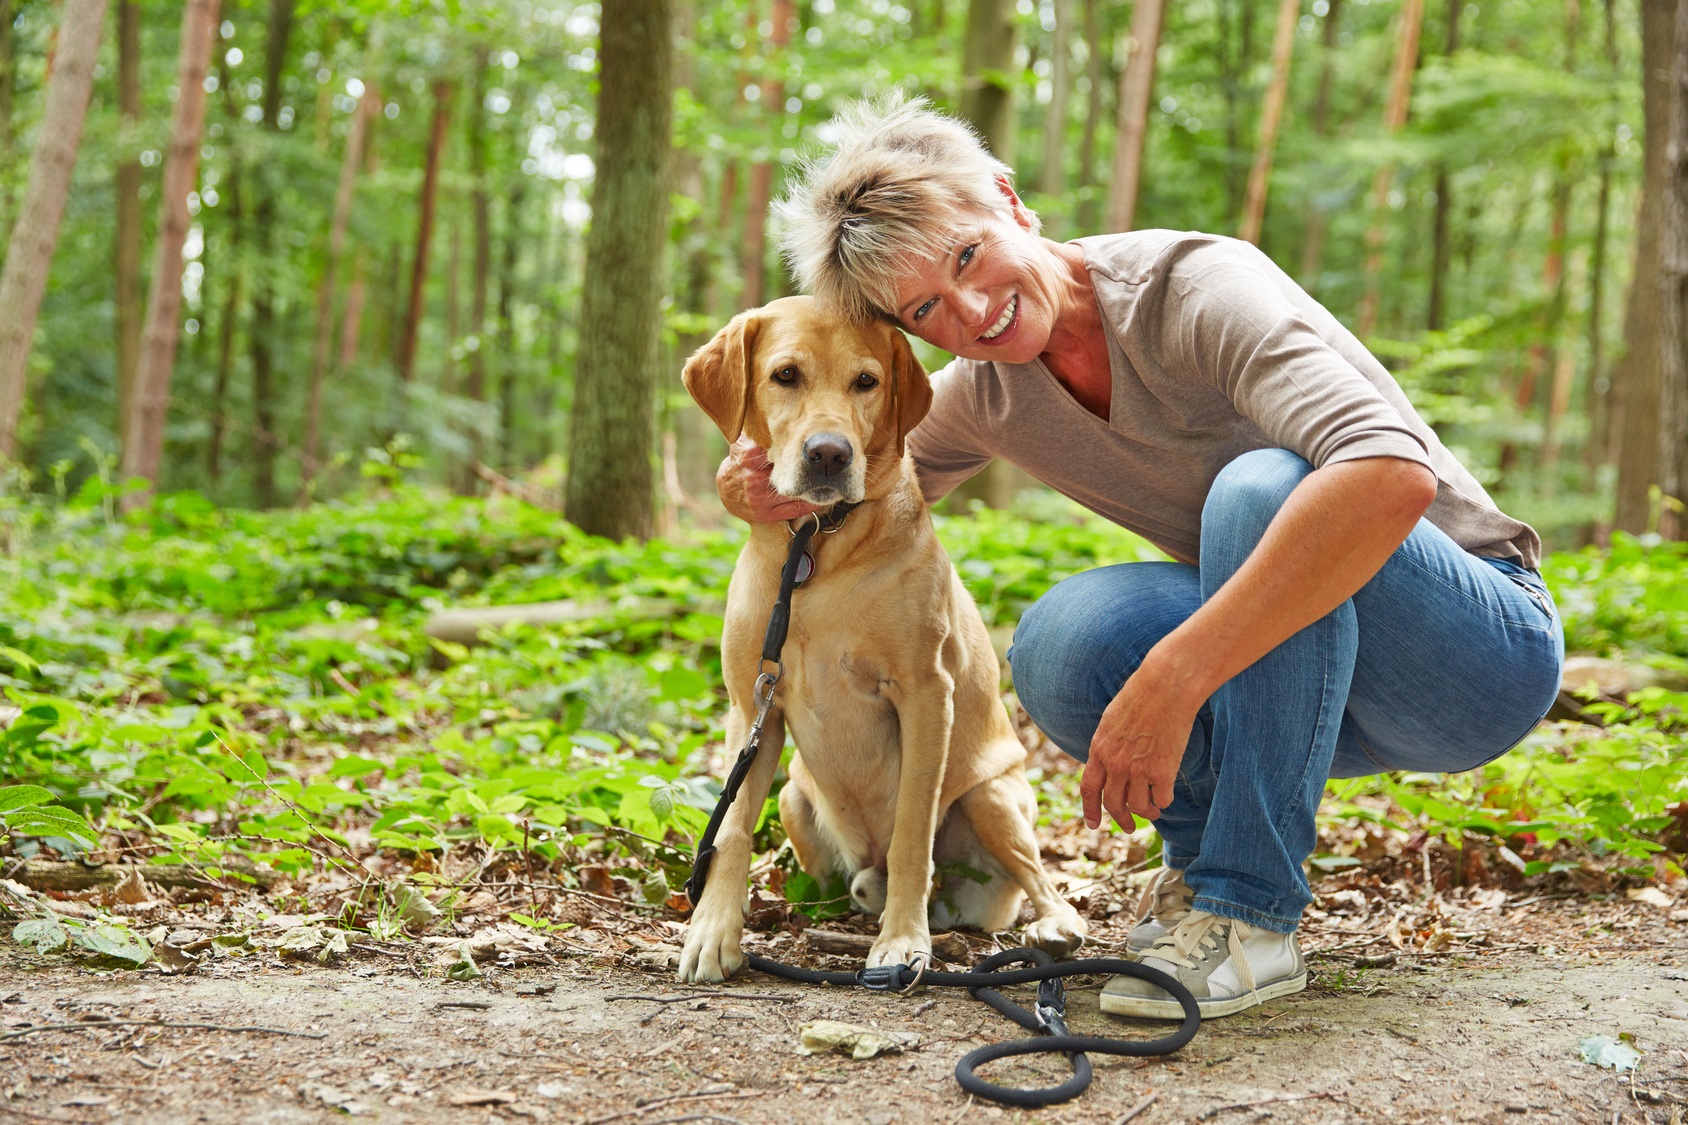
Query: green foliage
x,y
104,937
28,810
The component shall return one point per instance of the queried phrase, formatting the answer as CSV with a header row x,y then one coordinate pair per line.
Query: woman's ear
x,y
1021,215
911,390
718,374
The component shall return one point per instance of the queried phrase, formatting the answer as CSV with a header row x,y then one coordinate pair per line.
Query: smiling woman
x,y
1347,600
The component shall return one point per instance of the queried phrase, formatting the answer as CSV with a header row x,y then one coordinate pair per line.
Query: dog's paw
x,y
906,948
1059,933
711,951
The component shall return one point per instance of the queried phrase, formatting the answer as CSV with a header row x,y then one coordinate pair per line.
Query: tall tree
x,y
1093,71
1394,117
369,103
987,74
1060,86
507,285
24,278
1444,202
424,232
1283,43
1313,237
143,431
1136,87
1598,449
127,283
759,189
610,486
1635,378
266,438
1673,296
480,207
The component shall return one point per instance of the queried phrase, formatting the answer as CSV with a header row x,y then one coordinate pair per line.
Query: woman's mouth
x,y
1005,323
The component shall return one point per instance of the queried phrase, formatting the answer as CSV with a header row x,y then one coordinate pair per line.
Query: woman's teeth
x,y
1003,321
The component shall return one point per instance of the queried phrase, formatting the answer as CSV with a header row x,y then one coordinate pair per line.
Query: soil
x,y
1488,1032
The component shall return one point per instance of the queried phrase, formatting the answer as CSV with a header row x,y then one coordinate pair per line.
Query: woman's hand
x,y
746,490
1136,751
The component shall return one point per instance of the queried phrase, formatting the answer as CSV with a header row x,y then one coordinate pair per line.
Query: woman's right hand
x,y
743,480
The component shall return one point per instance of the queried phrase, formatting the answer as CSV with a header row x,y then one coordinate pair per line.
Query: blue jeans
x,y
1442,662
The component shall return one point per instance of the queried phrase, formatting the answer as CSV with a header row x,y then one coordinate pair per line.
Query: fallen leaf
x,y
130,888
1652,896
174,959
1604,1051
852,1039
464,968
554,1089
597,880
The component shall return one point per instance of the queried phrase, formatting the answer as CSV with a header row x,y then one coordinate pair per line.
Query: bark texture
x,y
1673,295
610,484
30,252
1136,86
987,84
1283,44
424,232
127,283
143,439
1635,380
1394,117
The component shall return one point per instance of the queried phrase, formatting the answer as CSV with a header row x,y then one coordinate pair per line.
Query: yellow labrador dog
x,y
906,765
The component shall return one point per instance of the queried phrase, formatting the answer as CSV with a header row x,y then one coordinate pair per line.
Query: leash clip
x,y
1051,1007
882,978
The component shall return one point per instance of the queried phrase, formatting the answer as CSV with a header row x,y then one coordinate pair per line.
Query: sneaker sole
x,y
1148,1008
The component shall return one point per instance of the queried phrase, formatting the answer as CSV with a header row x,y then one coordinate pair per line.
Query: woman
x,y
1347,599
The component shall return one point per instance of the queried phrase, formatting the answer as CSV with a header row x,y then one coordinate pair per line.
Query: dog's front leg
x,y
926,713
711,951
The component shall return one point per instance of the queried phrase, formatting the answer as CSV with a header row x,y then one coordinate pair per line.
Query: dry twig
x,y
1137,1109
92,1024
1217,1110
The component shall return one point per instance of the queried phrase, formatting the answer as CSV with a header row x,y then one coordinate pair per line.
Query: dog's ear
x,y
911,390
718,374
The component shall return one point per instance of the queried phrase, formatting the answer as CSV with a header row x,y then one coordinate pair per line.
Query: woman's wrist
x,y
1177,674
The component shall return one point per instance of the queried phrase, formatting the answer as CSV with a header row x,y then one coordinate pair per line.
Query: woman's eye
x,y
966,254
786,376
866,382
920,313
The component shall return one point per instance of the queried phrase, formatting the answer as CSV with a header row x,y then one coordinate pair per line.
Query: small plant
x,y
29,810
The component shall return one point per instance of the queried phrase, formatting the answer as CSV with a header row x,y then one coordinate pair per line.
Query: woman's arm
x,y
1335,532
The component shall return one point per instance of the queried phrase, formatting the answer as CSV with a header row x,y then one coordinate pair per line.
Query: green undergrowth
x,y
221,687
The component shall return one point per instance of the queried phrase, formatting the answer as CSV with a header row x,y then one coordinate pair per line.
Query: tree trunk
x,y
1313,240
987,74
1394,117
507,329
610,487
30,252
1060,86
143,438
8,53
424,233
753,262
468,483
1597,402
266,440
235,285
1085,217
1635,378
127,283
369,103
1283,43
1673,297
351,329
1136,86
1444,204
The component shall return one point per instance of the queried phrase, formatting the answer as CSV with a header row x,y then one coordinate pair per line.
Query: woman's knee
x,y
1077,644
1246,496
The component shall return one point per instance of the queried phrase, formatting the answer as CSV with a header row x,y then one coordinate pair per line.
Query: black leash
x,y
1048,1016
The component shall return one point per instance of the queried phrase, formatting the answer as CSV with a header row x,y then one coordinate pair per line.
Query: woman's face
x,y
996,294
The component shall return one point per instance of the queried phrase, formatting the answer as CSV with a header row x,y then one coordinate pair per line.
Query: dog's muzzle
x,y
826,464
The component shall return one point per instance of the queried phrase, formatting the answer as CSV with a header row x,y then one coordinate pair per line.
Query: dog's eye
x,y
866,382
786,376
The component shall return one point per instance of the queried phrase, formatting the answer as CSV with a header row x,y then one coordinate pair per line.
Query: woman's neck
x,y
1077,354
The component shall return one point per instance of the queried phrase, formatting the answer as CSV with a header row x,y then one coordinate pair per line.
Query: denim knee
x,y
1245,498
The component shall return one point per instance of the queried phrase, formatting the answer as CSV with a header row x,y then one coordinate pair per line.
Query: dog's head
x,y
831,400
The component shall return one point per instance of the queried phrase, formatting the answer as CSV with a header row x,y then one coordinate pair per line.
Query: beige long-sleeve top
x,y
1214,351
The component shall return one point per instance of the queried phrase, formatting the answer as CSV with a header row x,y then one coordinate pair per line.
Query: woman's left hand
x,y
1136,751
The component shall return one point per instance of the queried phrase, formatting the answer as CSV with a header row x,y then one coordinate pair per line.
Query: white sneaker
x,y
1164,903
1228,966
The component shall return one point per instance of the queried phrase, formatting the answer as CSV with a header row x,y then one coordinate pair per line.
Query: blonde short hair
x,y
893,186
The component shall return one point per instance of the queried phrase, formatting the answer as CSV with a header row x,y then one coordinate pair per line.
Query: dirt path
x,y
1490,1038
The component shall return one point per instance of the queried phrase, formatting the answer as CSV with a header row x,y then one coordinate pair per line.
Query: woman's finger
x,y
1090,789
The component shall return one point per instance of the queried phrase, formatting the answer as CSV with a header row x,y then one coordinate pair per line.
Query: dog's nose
x,y
830,453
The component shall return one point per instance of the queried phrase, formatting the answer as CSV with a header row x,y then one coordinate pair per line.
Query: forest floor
x,y
565,1032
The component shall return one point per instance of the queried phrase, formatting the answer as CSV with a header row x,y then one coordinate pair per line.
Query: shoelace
x,y
1199,934
1166,897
